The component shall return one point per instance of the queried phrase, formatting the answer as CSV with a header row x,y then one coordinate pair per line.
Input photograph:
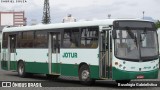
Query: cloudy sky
x,y
87,9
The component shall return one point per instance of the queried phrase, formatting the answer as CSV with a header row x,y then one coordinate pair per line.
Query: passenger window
x,y
5,40
89,37
41,39
25,39
71,38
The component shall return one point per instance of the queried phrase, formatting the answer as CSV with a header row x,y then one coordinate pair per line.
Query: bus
x,y
158,31
111,49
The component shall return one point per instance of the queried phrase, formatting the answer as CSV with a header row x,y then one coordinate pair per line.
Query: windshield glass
x,y
148,44
136,44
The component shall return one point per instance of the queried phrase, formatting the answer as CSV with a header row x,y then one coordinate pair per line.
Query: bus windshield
x,y
136,44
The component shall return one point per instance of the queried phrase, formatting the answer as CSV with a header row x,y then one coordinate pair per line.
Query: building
x,y
1,27
69,18
12,18
34,22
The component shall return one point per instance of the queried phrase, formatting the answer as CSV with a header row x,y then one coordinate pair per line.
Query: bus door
x,y
54,52
12,52
105,54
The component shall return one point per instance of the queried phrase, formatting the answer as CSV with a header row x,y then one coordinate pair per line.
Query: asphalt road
x,y
66,83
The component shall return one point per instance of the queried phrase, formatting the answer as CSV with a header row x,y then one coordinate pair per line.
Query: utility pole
x,y
46,13
143,14
109,16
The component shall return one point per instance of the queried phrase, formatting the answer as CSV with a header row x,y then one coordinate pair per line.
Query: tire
x,y
21,69
84,75
123,81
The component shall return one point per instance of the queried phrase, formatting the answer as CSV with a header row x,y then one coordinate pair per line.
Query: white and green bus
x,y
117,49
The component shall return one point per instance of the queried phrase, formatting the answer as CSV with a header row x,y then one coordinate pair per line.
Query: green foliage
x,y
157,24
46,18
46,13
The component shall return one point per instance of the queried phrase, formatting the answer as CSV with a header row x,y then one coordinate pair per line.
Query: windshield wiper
x,y
131,34
145,34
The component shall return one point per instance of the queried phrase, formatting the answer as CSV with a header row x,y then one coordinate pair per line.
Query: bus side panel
x,y
4,62
36,60
13,65
36,67
70,60
4,65
94,71
72,70
69,69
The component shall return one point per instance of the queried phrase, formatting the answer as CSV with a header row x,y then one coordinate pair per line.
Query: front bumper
x,y
128,75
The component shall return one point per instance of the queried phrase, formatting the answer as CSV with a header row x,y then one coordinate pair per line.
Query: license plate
x,y
140,77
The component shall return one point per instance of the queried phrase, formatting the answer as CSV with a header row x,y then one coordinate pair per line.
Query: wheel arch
x,y
20,60
81,64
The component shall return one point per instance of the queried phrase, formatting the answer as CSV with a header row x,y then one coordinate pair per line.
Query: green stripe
x,y
69,69
4,65
124,75
13,65
72,70
42,68
36,67
94,71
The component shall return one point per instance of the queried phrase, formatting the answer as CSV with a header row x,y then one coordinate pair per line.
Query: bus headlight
x,y
120,65
154,67
124,67
157,65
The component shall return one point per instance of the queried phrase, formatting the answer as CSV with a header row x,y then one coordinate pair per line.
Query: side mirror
x,y
114,34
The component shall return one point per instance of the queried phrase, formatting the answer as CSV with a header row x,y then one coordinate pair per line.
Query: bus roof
x,y
105,22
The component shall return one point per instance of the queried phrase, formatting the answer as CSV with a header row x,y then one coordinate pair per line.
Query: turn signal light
x,y
116,63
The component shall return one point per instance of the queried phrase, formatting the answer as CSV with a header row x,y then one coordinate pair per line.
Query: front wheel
x,y
84,75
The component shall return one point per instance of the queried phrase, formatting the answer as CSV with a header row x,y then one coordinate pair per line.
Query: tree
x,y
46,12
158,24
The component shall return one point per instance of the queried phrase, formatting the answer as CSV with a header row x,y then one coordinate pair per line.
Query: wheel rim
x,y
85,74
21,68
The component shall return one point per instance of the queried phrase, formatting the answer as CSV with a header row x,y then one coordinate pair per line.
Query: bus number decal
x,y
69,55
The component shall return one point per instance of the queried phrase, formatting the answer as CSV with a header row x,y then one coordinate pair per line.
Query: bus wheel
x,y
21,69
84,75
123,81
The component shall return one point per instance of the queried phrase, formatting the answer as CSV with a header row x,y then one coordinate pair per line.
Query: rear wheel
x,y
21,69
84,75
